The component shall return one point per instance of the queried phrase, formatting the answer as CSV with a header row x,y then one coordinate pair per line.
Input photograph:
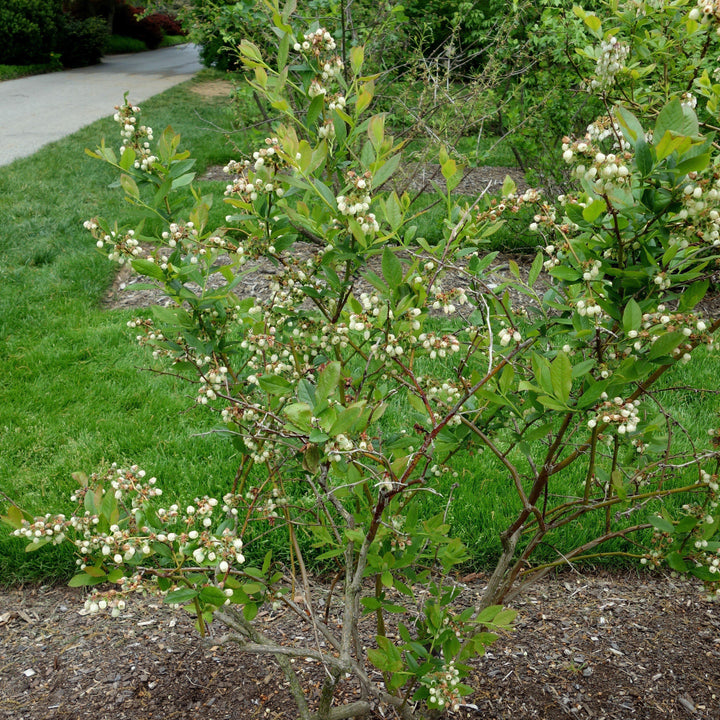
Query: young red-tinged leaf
x,y
357,57
376,131
14,517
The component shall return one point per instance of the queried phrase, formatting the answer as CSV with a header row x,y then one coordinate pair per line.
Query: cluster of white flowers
x,y
438,345
179,234
706,11
339,444
623,413
133,529
588,307
442,686
508,335
610,63
448,301
259,175
662,322
336,102
321,46
357,202
318,43
604,170
215,382
326,130
316,89
591,270
688,100
123,246
605,128
547,218
135,136
698,220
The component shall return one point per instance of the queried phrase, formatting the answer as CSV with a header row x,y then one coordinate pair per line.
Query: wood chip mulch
x,y
602,646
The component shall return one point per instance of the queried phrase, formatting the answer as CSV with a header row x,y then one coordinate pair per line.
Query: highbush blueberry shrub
x,y
300,379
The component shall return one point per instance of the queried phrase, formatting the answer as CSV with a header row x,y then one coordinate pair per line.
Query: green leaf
x,y
535,269
213,595
561,376
14,517
347,419
357,57
83,579
693,164
314,110
616,478
593,22
665,344
675,561
300,415
148,269
693,295
392,211
181,596
562,272
630,125
643,157
661,524
675,118
327,382
632,316
391,268
376,130
275,385
594,210
326,193
386,170
129,186
508,187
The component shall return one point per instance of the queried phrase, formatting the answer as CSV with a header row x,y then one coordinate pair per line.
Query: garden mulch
x,y
600,645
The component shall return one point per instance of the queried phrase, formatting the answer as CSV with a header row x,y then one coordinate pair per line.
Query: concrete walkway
x,y
40,109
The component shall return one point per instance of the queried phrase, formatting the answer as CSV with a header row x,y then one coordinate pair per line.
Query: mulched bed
x,y
602,646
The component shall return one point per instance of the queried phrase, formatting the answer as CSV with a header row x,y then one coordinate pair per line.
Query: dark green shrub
x,y
118,44
29,30
82,42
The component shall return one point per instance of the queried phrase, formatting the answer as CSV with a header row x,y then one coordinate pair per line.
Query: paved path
x,y
40,109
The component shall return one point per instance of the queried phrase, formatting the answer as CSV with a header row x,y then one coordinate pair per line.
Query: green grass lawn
x,y
73,395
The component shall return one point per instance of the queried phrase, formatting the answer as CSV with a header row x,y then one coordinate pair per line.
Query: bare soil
x,y
602,646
